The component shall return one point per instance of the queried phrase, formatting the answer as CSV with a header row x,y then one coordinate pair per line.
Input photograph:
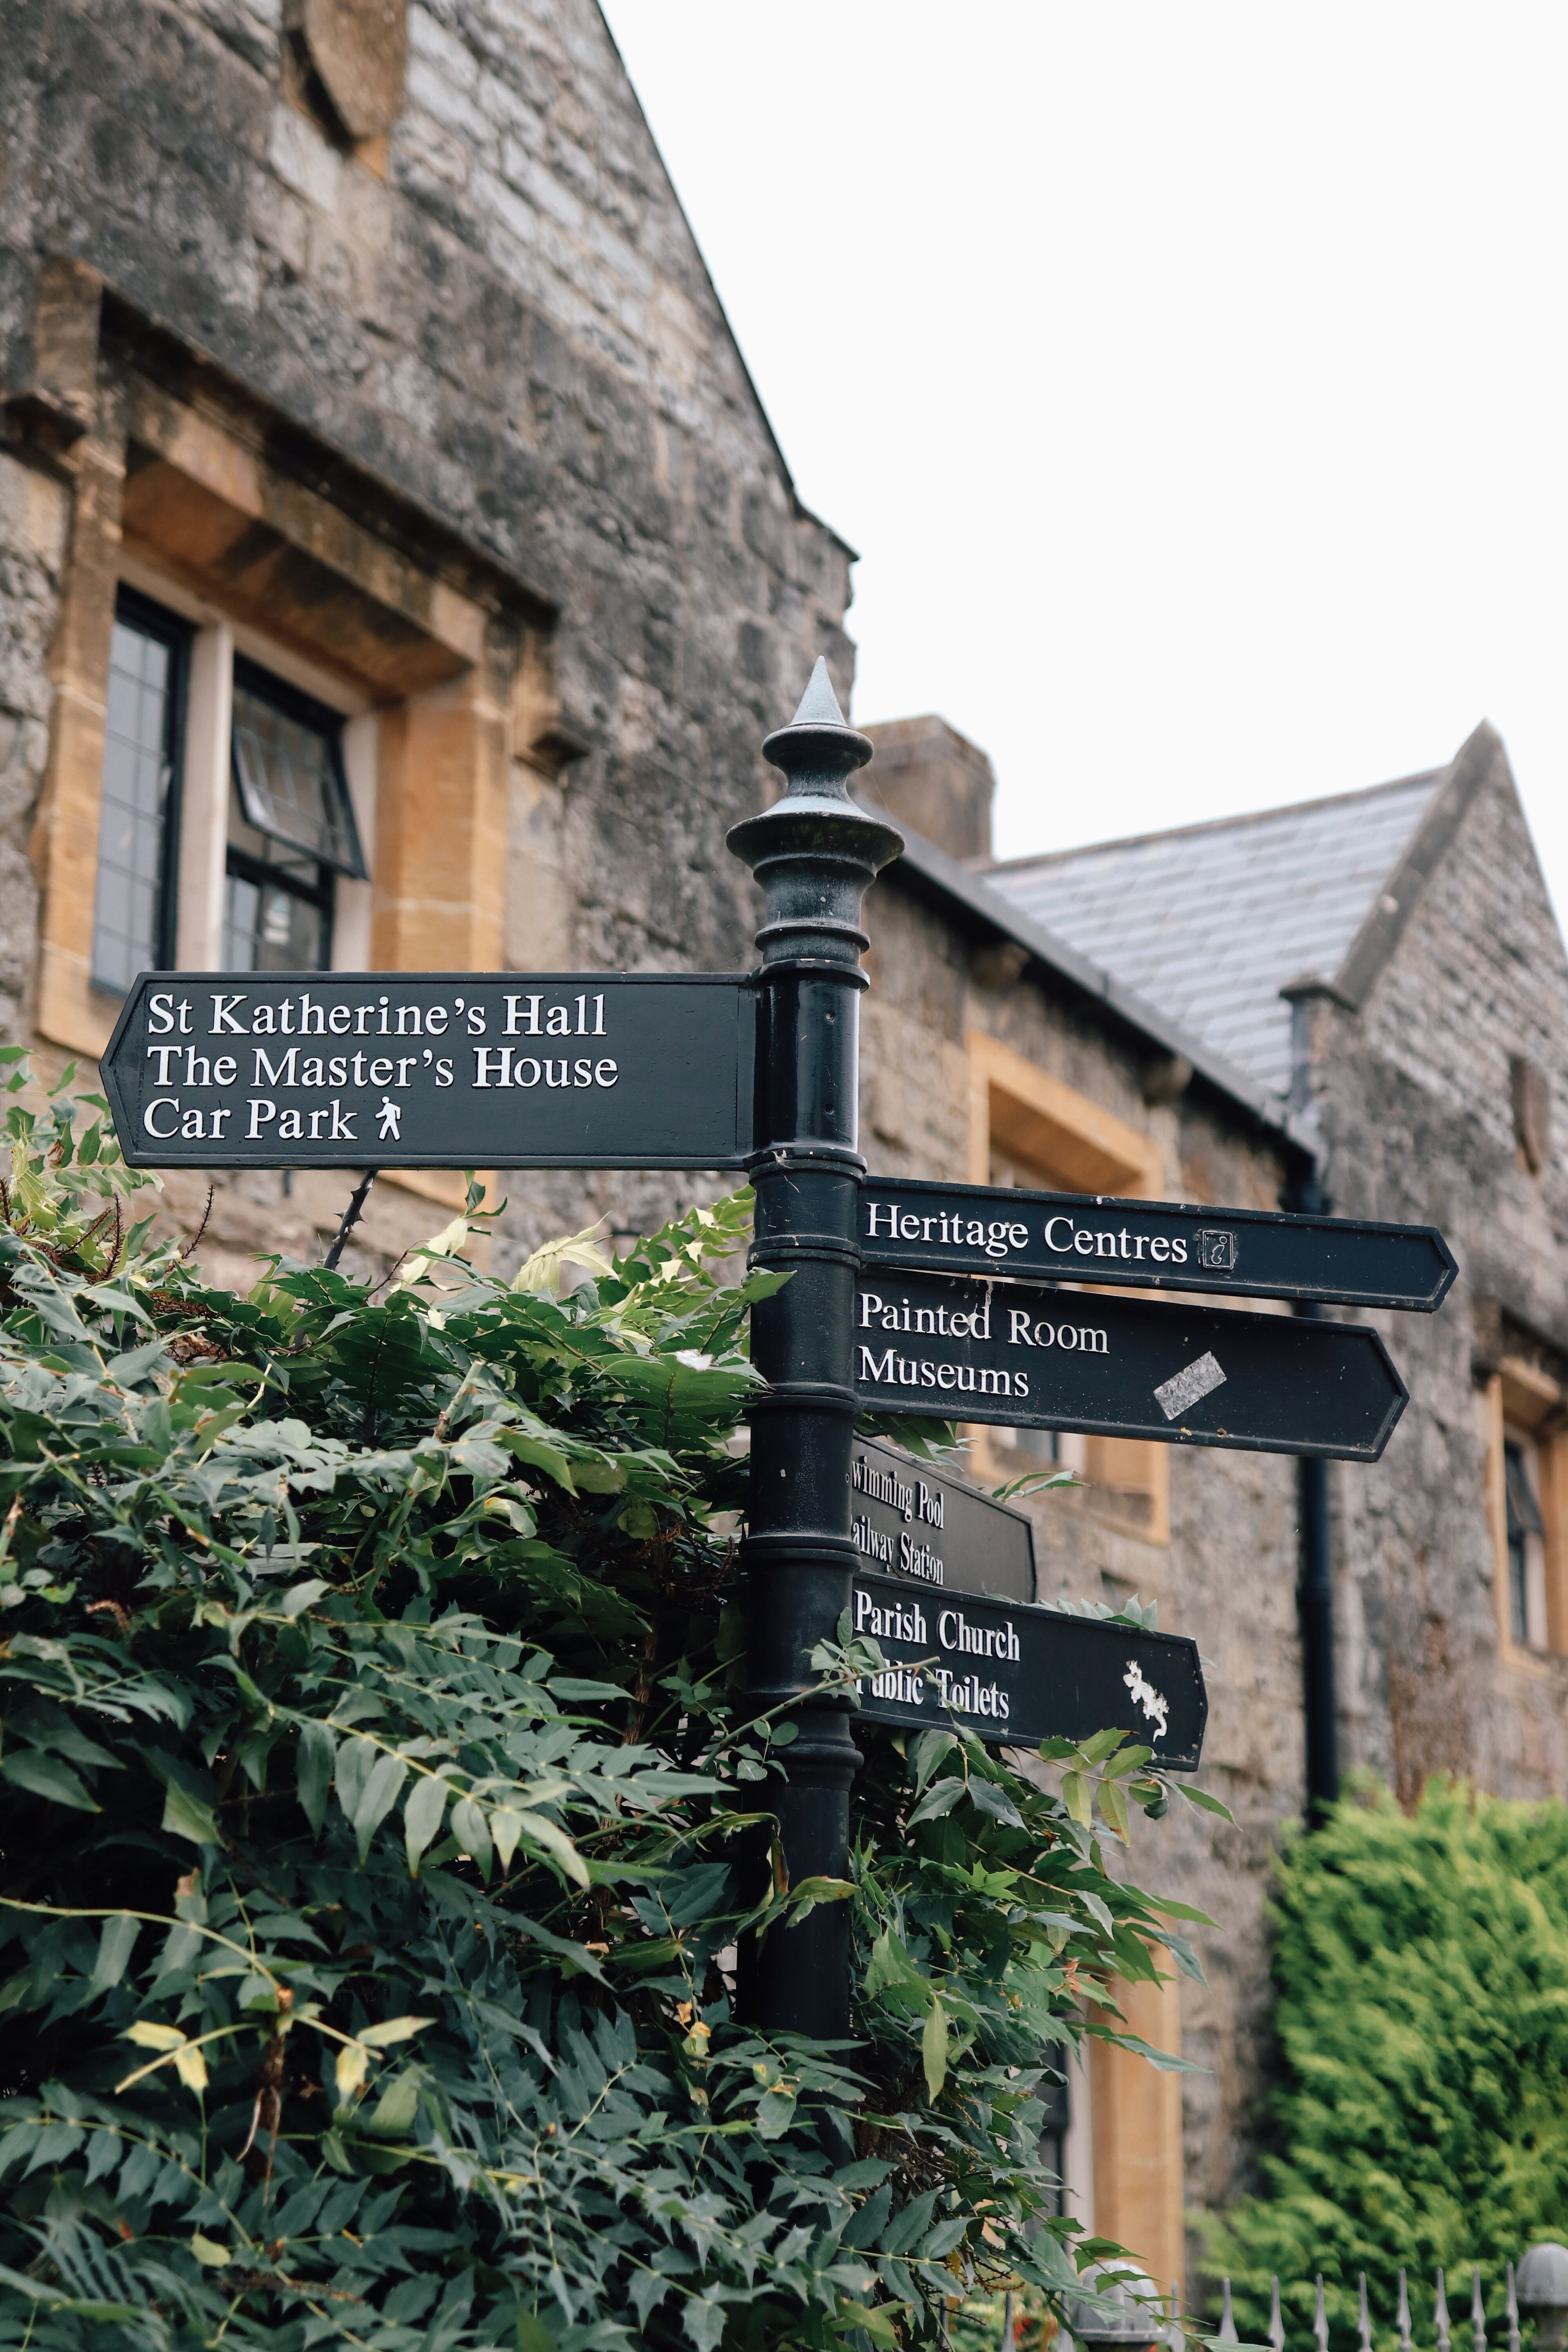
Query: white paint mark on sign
x,y
1155,1707
1185,1388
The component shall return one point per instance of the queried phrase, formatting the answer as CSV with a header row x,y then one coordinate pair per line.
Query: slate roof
x,y
1209,922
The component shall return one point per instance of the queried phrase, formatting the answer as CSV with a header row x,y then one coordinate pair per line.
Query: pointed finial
x,y
1512,2309
1320,2319
1363,2321
1404,2313
1276,2323
814,837
818,704
1440,2316
1477,2311
1225,2332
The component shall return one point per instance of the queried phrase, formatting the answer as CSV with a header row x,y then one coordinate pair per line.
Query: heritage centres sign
x,y
883,1312
1151,1244
380,1069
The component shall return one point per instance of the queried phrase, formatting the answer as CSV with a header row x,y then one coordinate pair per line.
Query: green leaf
x,y
532,2335
136,1363
392,2030
992,1800
381,1792
422,1818
927,1752
554,1842
1205,1802
933,2049
775,2113
148,2034
313,1772
1077,1799
186,1816
47,1776
395,2111
940,1798
356,1762
296,1601
115,1946
209,2254
472,1830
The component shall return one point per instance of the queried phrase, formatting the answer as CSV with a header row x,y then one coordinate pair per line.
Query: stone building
x,y
397,570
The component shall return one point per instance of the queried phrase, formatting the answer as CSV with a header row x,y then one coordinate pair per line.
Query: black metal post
x,y
1315,1596
813,853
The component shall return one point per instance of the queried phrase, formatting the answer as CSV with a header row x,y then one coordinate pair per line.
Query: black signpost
x,y
1151,1244
883,1312
432,1069
1183,1372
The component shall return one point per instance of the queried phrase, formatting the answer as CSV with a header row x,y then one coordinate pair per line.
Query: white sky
x,y
1193,378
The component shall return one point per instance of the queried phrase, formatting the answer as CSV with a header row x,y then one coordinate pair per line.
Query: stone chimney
x,y
927,775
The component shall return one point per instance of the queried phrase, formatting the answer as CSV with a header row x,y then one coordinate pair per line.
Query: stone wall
x,y
1414,1097
32,552
499,310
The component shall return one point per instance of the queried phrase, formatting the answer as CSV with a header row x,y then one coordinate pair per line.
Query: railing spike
x,y
1320,2319
1440,2316
1176,2335
1477,2312
1405,2345
1227,2331
1362,2322
1275,2324
1512,2309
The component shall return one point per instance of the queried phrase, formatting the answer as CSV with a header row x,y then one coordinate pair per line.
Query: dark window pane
x,y
289,825
290,781
269,927
134,888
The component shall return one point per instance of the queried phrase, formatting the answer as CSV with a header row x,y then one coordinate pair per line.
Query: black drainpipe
x,y
1315,1602
1315,1584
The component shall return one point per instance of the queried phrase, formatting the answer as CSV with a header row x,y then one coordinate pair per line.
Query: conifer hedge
x,y
378,1826
1420,2117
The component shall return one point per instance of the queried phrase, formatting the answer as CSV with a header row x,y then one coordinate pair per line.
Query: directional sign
x,y
1151,1244
396,1069
1018,1675
910,1520
1183,1372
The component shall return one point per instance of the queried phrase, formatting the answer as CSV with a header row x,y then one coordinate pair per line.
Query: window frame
x,y
248,677
1524,1528
1523,1406
135,610
1021,1115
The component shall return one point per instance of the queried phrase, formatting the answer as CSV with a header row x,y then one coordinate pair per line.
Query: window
x,y
137,827
1027,1128
1056,2100
1525,1409
291,828
1526,1539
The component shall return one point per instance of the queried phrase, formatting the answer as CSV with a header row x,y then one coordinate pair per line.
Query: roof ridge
x,y
1214,824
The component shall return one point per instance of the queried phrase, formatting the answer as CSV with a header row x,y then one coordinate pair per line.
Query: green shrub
x,y
1422,2120
379,1827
